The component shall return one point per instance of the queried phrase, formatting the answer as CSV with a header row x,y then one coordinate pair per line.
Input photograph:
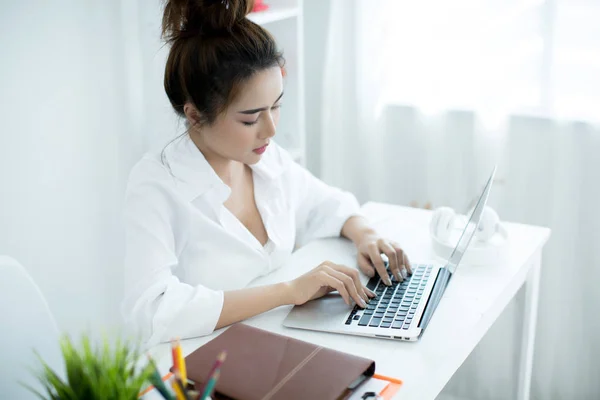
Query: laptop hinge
x,y
439,287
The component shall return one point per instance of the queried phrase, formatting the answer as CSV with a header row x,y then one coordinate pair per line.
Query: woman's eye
x,y
275,107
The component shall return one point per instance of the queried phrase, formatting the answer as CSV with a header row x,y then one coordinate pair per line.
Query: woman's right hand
x,y
326,278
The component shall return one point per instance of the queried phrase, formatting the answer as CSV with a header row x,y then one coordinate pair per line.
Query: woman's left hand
x,y
371,246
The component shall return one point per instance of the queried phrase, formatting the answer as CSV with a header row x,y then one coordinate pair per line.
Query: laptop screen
x,y
471,227
444,275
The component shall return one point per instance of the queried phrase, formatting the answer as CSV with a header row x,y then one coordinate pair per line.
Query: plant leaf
x,y
95,372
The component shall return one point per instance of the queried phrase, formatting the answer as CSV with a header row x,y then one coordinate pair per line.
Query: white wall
x,y
66,146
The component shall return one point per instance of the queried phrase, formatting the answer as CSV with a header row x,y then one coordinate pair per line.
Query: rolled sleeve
x,y
169,309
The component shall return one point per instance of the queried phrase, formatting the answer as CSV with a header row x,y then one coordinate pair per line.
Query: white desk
x,y
474,299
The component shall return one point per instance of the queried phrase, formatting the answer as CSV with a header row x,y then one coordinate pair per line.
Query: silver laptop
x,y
401,311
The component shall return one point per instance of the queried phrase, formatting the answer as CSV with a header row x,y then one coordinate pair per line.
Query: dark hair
x,y
214,48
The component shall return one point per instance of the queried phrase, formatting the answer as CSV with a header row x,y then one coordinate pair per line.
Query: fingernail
x,y
404,273
362,303
388,281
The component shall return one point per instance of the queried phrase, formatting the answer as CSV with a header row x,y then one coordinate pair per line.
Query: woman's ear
x,y
191,114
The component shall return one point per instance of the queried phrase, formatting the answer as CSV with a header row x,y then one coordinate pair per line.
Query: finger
x,y
377,261
365,265
338,285
390,252
355,276
402,258
349,284
322,292
407,263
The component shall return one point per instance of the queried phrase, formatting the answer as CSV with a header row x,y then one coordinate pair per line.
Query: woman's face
x,y
243,131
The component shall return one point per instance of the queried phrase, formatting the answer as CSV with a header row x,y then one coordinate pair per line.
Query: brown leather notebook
x,y
262,365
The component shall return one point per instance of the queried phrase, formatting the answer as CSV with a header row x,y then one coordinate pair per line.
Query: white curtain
x,y
420,99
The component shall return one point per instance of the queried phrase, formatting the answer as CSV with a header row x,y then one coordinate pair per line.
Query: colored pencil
x,y
157,381
216,366
210,386
180,386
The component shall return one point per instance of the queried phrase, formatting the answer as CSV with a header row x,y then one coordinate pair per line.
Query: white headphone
x,y
490,239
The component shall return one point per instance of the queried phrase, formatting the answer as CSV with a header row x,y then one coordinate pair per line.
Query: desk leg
x,y
532,285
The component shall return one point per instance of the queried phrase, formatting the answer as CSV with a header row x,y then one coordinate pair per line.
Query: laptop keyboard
x,y
395,305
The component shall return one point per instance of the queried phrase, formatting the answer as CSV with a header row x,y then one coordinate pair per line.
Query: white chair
x,y
26,325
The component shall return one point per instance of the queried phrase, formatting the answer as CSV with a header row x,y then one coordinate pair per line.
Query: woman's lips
x,y
260,150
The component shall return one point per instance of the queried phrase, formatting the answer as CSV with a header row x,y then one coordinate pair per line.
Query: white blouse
x,y
184,248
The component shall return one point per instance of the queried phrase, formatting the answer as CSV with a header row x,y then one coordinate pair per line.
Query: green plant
x,y
102,373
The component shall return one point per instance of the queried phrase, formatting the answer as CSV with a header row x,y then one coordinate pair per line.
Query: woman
x,y
223,204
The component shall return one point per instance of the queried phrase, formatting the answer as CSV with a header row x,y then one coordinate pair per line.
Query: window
x,y
500,56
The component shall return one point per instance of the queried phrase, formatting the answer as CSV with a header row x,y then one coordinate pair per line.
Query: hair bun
x,y
182,17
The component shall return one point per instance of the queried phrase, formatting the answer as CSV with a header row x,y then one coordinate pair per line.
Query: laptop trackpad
x,y
328,310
